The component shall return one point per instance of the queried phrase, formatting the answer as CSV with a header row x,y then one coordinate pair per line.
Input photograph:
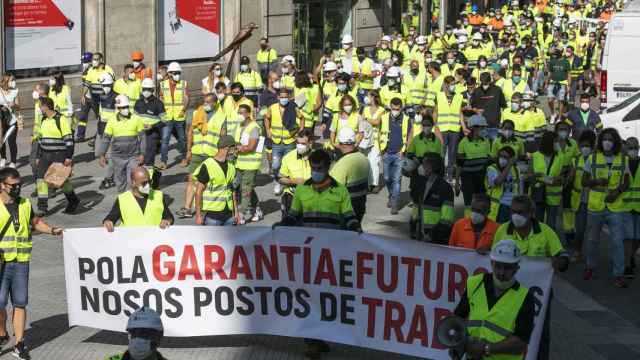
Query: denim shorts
x,y
15,282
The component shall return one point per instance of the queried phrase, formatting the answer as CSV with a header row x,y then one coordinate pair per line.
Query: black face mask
x,y
236,97
415,71
14,192
361,58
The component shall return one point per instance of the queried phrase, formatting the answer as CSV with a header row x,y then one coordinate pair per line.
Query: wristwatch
x,y
487,349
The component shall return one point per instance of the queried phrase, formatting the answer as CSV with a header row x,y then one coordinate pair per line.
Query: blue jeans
x,y
615,221
581,226
15,282
278,152
392,164
167,130
551,217
213,222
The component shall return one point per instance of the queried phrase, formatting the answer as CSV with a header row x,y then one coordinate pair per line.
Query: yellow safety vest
x,y
265,57
251,160
231,109
476,154
173,105
206,144
123,127
448,118
615,177
132,215
295,166
60,100
366,114
279,134
499,322
384,130
553,193
576,190
632,196
218,193
508,89
364,68
16,243
417,87
495,192
251,82
131,88
55,135
307,111
386,95
351,122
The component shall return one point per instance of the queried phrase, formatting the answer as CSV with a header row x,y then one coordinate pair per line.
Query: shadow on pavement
x,y
45,330
270,206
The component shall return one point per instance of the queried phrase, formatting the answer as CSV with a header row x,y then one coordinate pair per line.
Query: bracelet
x,y
487,349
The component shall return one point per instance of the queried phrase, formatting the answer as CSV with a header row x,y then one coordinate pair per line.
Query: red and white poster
x,y
190,29
42,33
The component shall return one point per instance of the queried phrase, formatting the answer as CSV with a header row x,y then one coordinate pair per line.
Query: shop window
x,y
189,30
42,36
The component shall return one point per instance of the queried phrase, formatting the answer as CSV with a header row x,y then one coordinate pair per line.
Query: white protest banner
x,y
42,33
189,29
357,289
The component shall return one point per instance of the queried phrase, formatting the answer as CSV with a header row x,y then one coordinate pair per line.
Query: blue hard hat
x,y
145,318
474,7
86,57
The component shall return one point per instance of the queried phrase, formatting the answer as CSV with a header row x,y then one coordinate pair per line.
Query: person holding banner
x,y
140,206
216,202
17,218
145,332
499,310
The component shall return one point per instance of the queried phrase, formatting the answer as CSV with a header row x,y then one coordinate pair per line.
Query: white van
x,y
624,117
620,75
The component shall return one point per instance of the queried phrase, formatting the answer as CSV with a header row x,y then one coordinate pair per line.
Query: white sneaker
x,y
257,216
3,163
12,165
277,189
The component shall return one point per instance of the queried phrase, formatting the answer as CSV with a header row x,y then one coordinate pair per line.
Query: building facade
x,y
178,30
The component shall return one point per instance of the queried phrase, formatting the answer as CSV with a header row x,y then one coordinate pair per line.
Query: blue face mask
x,y
516,79
140,348
284,102
318,176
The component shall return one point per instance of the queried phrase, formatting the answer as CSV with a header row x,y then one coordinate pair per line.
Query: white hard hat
x,y
557,22
347,39
386,38
393,72
504,63
421,40
106,79
477,36
330,66
462,39
289,59
174,67
147,83
506,252
346,135
122,101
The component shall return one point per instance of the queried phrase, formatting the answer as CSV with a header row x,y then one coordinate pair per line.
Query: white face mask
x,y
207,107
503,162
244,67
346,46
526,105
507,133
52,82
147,93
585,151
421,171
159,77
585,106
136,64
518,220
145,189
132,76
301,148
477,218
124,112
221,96
12,84
35,94
277,85
285,70
367,101
452,88
106,90
483,64
395,113
95,63
515,106
241,118
607,145
451,61
217,72
632,153
85,66
391,82
563,134
348,109
176,77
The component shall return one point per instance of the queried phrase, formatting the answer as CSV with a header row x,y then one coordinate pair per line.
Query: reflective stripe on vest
x,y
173,105
615,176
540,166
448,113
279,134
251,160
495,192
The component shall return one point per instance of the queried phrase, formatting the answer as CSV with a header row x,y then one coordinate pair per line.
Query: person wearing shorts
x,y
559,70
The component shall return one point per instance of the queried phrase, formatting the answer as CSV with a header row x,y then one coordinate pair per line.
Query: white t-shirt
x,y
205,84
8,96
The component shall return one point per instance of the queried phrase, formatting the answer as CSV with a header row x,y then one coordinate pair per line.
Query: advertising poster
x,y
189,29
42,33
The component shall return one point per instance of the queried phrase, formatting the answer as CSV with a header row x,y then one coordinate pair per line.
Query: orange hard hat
x,y
137,56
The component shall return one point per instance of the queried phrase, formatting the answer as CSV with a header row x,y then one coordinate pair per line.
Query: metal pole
x,y
3,41
154,46
442,20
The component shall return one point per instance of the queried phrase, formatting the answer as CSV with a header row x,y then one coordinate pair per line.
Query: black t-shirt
x,y
203,178
12,208
524,320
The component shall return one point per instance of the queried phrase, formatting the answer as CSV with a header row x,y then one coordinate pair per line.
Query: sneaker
x,y
162,165
588,274
619,282
92,143
257,216
629,273
106,184
184,213
12,165
394,210
3,163
72,204
277,189
20,351
4,340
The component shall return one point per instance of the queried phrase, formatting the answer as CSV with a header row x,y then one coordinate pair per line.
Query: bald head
x,y
139,176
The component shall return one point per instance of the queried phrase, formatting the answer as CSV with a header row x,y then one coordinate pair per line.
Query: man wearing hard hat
x,y
145,333
499,311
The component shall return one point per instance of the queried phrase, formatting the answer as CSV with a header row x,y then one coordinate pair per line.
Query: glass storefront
x,y
318,27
